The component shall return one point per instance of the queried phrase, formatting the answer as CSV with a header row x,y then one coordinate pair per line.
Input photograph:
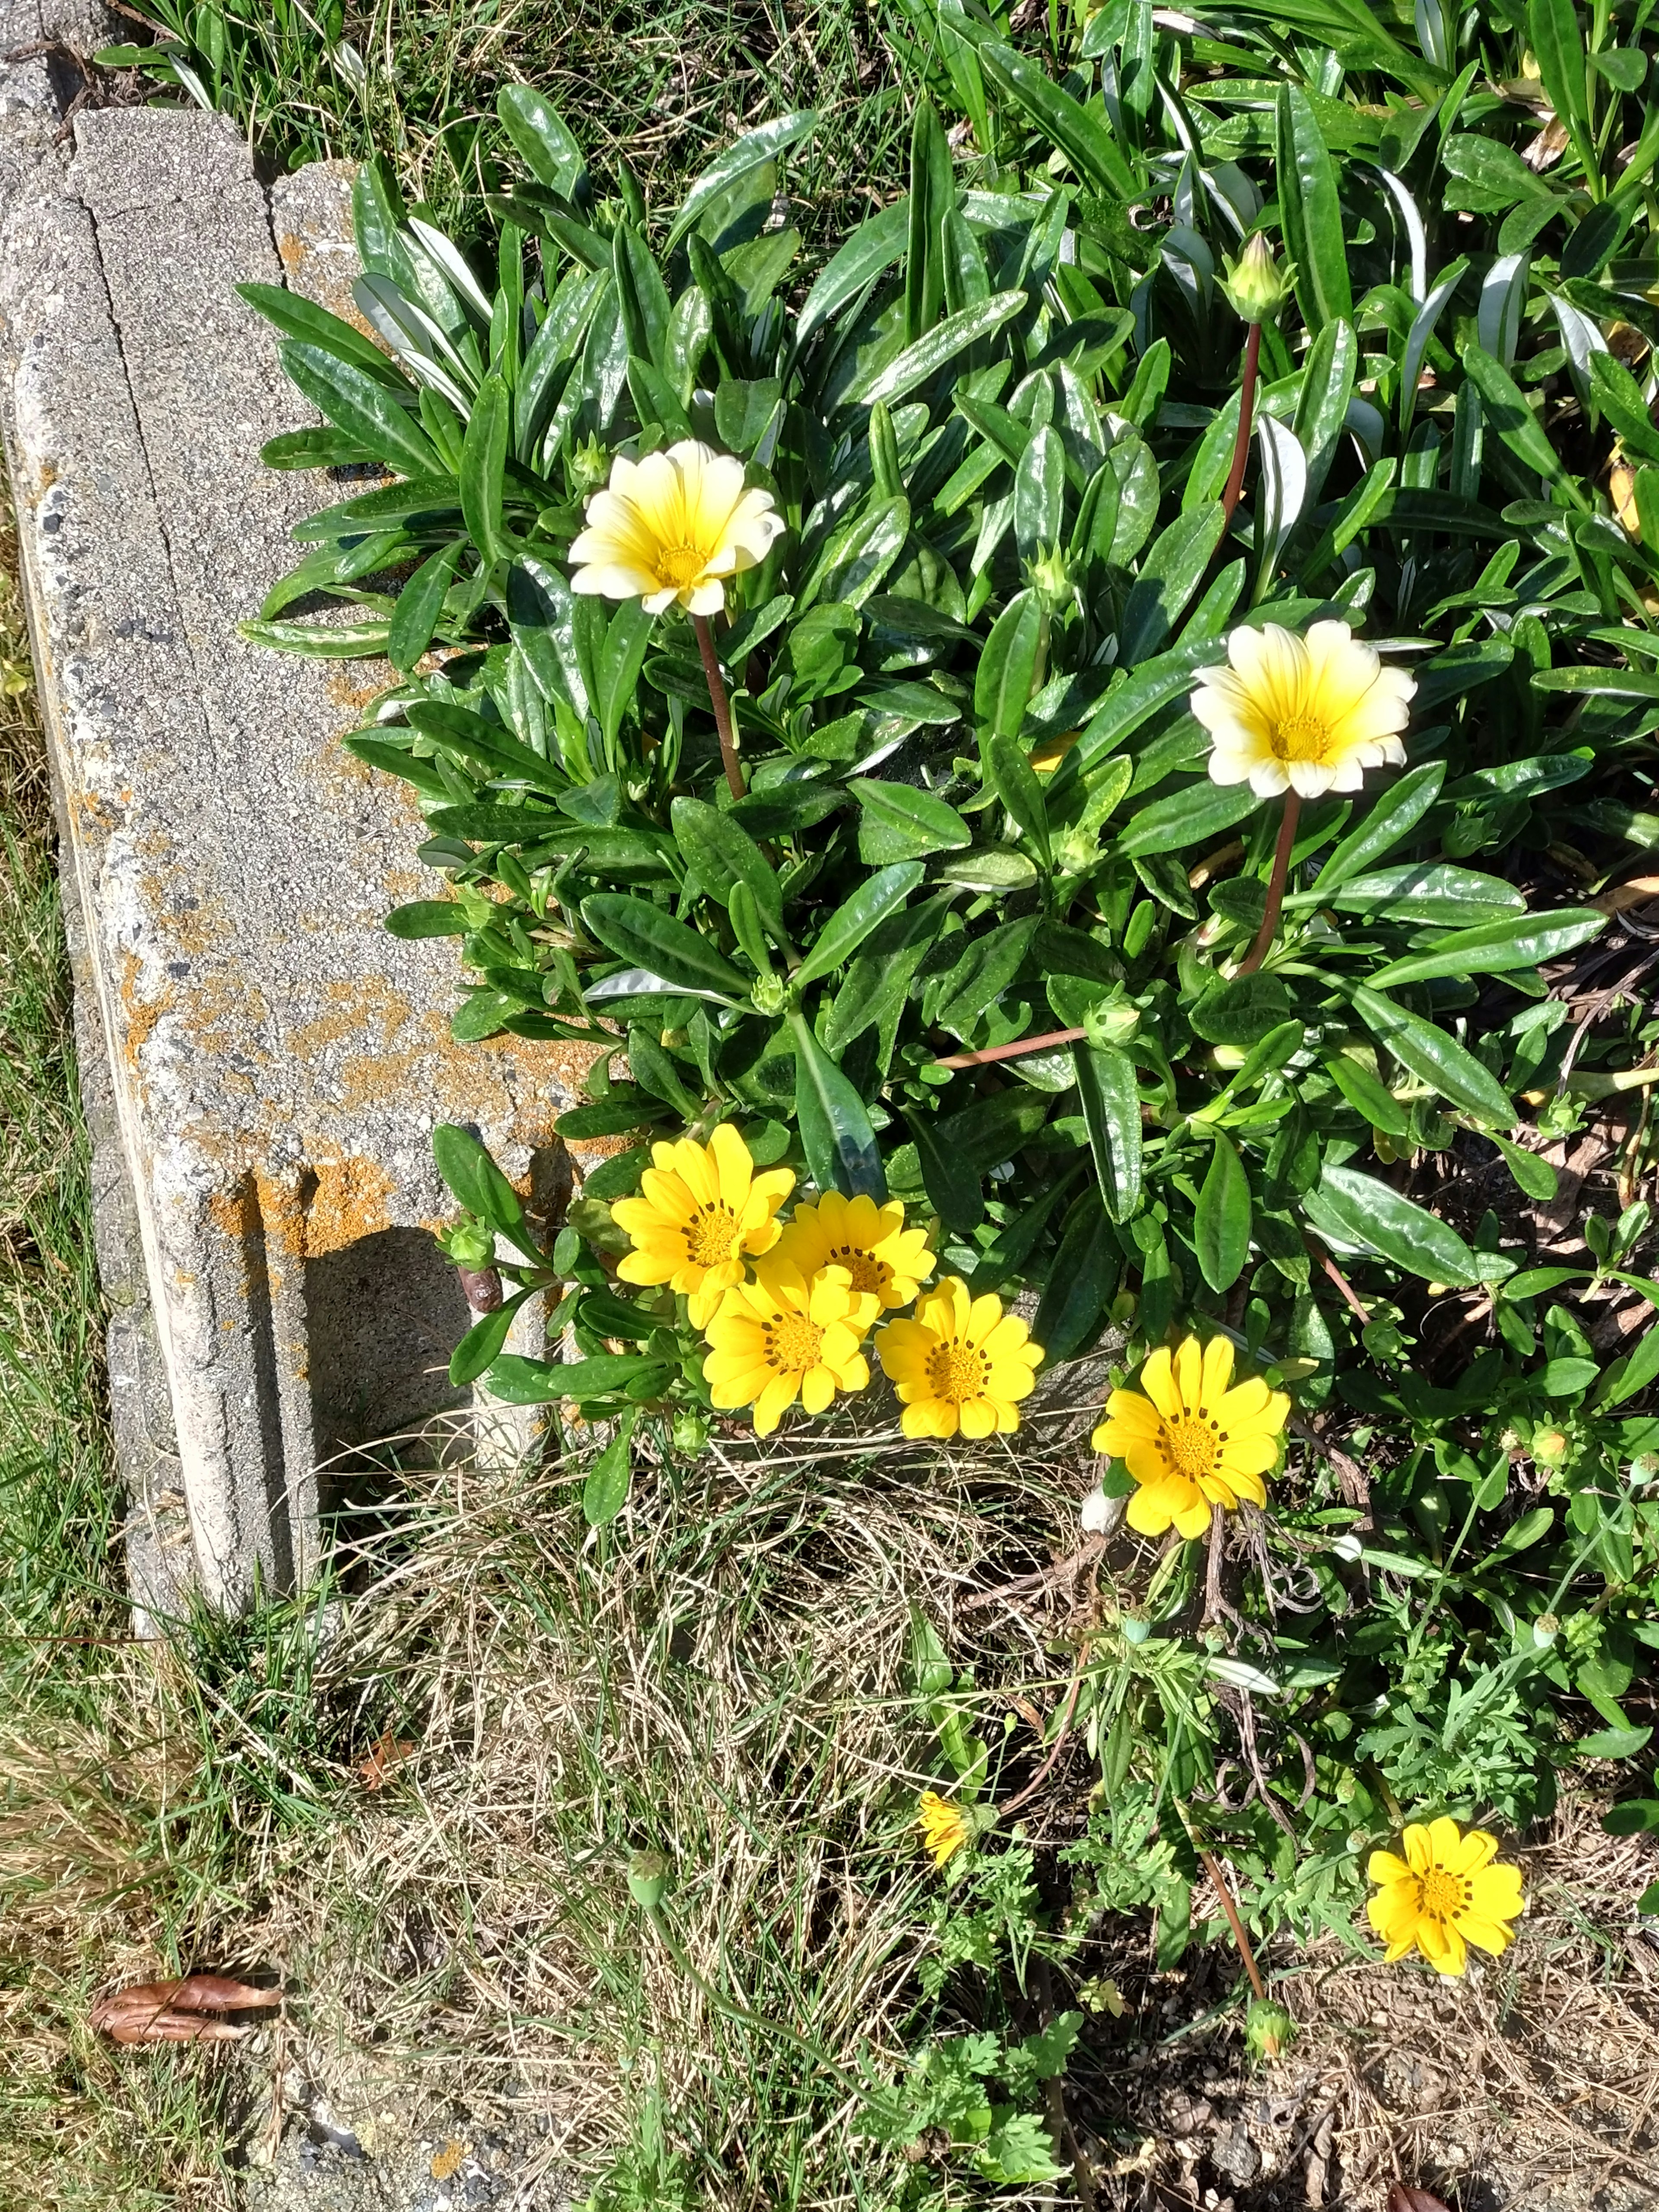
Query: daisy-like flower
x,y
944,1827
1308,715
870,1240
784,1337
702,1212
1444,1894
962,1364
1188,1440
673,527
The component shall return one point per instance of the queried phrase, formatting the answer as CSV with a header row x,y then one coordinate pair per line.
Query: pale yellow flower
x,y
702,1212
943,1827
870,1240
783,1337
962,1364
1308,715
671,527
1188,1440
1444,1894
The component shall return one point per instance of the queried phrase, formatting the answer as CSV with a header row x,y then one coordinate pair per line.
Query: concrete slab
x,y
275,1062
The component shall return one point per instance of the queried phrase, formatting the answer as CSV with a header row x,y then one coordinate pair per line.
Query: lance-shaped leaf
x,y
643,934
1111,1110
835,1134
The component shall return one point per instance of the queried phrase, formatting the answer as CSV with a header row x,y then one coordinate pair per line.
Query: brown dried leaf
x,y
1639,889
1543,151
388,1752
1403,2198
176,2011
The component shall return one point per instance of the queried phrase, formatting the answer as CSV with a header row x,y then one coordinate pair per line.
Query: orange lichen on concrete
x,y
140,1014
355,697
368,1002
349,1202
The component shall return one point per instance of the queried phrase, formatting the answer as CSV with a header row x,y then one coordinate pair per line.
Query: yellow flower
x,y
700,1213
783,1337
1444,1895
1189,1441
871,1242
944,1827
1309,714
671,527
961,1363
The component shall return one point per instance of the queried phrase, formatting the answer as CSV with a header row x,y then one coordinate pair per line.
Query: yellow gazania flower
x,y
944,1827
701,1211
671,527
870,1240
1189,1441
1444,1895
1308,715
961,1363
783,1337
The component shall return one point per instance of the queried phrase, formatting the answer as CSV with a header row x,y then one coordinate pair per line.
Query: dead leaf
x,y
1637,890
1544,150
1403,2198
1317,2171
388,1752
178,2011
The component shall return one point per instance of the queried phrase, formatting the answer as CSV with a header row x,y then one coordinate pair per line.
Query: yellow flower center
x,y
681,565
711,1236
868,1272
1442,1896
1192,1444
792,1343
1300,738
956,1372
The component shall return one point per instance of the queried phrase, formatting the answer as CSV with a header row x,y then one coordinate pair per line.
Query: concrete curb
x,y
263,1064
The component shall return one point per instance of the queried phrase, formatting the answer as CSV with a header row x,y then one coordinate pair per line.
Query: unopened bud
x,y
1050,576
1255,285
1269,2029
590,465
467,1243
648,1874
769,995
1549,1447
1113,1021
1545,1630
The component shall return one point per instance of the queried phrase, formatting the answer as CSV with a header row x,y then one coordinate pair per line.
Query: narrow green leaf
x,y
1520,941
935,350
1106,1085
1081,1281
902,822
1008,663
952,1186
479,1185
362,406
483,1340
721,852
835,1134
420,605
1395,816
1435,1057
1312,212
1363,1211
1020,787
857,916
605,1493
1221,1225
751,151
637,931
1080,134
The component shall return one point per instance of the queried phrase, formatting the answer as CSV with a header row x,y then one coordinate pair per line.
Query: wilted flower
x,y
1309,714
673,527
1188,1440
962,1364
700,1213
1444,1894
784,1337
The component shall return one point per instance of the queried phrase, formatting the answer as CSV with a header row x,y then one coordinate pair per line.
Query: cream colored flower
x,y
671,527
1308,715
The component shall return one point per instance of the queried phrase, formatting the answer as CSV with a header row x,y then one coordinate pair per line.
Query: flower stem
x,y
1264,937
1246,412
719,702
1020,1046
1226,1895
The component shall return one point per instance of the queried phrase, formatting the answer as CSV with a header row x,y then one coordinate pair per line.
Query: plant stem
x,y
719,702
1010,1051
1246,413
1264,937
1213,1870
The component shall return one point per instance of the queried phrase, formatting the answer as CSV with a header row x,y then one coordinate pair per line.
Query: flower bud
x,y
1112,1021
590,465
467,1243
648,1876
1549,1447
1269,2029
769,995
1255,286
1050,576
1136,1627
1545,1630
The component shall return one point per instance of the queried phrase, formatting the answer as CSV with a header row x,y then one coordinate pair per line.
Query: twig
x,y
1045,1578
1062,2134
1025,1796
719,702
1011,1051
1350,1297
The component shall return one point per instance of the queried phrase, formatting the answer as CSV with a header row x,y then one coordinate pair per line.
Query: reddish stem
x,y
1014,1051
1264,937
719,702
1213,1870
1246,414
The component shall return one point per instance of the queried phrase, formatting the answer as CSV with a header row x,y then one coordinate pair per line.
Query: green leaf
x,y
1169,574
1395,816
1366,1095
1007,664
1192,816
835,1134
1628,1376
868,908
1618,396
1375,1216
952,1186
721,852
1111,1111
362,406
899,823
1505,407
519,1381
1494,948
420,606
1020,787
1242,1010
319,641
483,1340
749,152
873,246
935,350
426,918
296,317
1312,212
1614,1743
1435,1057
638,931
1221,1225
932,193
484,457
1558,40
545,143
1080,134
1081,1281
479,1185
1536,1178
605,1493
1434,892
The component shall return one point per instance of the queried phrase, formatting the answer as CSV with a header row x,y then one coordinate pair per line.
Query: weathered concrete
x,y
272,1062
